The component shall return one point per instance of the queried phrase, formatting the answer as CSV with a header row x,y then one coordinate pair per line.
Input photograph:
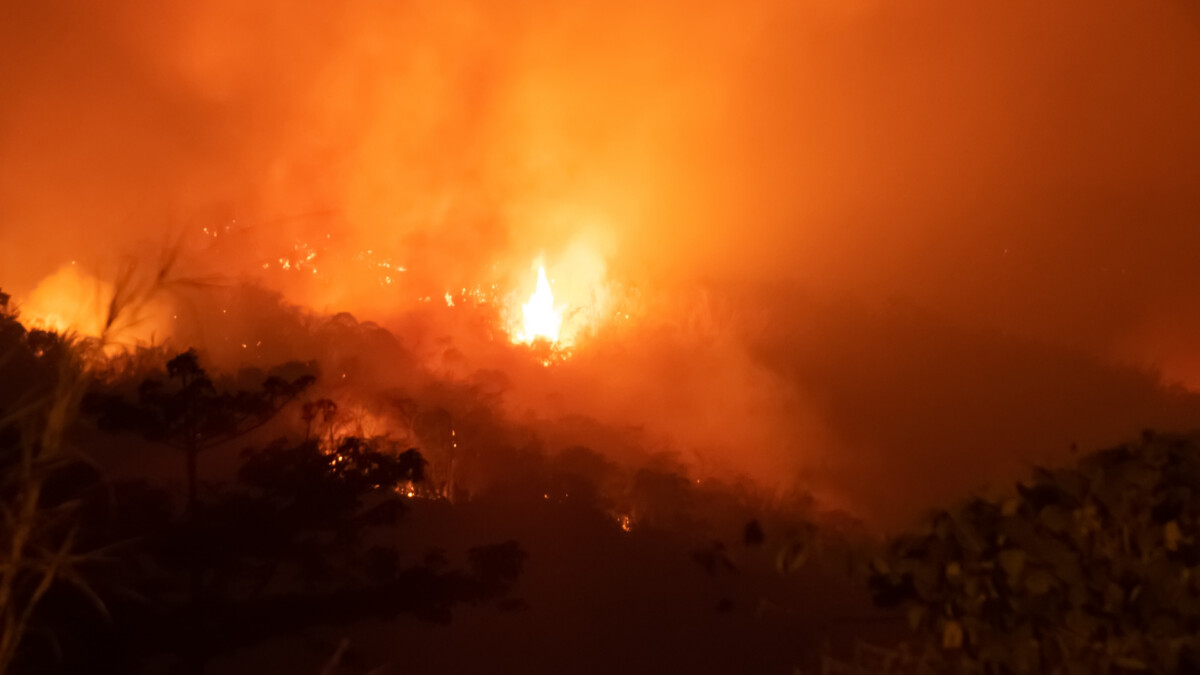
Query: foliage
x,y
1089,569
185,410
287,545
303,506
43,377
38,530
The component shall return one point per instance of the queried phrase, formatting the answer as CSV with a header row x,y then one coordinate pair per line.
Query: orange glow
x,y
737,205
72,301
68,301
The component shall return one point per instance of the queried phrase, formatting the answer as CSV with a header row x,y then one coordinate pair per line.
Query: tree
x,y
1089,569
186,412
285,546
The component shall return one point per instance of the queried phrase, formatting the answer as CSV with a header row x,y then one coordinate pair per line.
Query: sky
x,y
889,250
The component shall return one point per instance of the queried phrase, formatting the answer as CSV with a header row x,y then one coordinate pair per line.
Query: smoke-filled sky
x,y
891,250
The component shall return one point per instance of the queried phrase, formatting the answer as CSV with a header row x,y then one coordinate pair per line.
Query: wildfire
x,y
68,300
555,322
541,319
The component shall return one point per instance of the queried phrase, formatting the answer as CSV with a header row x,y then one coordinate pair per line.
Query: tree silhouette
x,y
285,546
186,411
1089,569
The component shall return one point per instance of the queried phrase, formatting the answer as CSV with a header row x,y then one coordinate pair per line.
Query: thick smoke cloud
x,y
759,187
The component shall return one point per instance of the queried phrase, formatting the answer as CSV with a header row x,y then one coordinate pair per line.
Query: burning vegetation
x,y
609,334
267,536
329,491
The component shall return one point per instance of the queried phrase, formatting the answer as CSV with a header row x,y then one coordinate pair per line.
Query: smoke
x,y
734,201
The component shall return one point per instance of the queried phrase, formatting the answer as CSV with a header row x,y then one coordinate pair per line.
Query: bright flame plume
x,y
541,318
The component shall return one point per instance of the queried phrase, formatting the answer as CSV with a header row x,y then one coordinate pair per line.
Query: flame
x,y
68,300
74,301
555,321
540,318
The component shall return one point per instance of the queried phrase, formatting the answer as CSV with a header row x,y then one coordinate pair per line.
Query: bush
x,y
1090,569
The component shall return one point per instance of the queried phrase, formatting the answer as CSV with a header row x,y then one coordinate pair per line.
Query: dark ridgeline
x,y
1092,565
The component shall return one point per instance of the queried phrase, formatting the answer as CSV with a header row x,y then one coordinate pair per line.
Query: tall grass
x,y
37,538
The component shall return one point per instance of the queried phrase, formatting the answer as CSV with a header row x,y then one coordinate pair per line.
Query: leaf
x,y
953,572
952,635
1039,582
1054,518
791,558
916,615
1172,535
1128,663
1012,561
